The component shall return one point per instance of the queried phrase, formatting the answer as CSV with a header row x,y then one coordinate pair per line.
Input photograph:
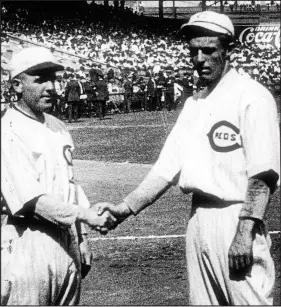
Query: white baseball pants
x,y
39,267
209,235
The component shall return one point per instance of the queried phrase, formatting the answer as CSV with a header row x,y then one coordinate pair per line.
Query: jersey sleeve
x,y
261,136
19,181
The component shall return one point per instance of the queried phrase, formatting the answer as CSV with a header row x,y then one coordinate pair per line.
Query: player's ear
x,y
230,49
17,85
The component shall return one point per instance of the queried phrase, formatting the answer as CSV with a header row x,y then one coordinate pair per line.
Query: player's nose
x,y
50,86
51,89
200,56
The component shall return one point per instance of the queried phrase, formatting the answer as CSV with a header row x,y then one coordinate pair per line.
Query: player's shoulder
x,y
16,125
11,118
255,87
254,92
54,123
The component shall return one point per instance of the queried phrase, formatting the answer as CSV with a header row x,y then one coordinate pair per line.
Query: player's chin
x,y
208,77
205,75
45,104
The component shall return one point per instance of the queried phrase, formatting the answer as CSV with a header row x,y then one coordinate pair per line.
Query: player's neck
x,y
212,85
205,89
37,115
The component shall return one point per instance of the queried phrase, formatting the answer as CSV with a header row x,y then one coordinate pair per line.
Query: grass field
x,y
142,262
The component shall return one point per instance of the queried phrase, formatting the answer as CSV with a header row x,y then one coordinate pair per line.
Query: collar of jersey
x,y
25,114
228,78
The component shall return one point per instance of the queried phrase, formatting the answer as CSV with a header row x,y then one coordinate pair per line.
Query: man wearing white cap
x,y
44,251
224,148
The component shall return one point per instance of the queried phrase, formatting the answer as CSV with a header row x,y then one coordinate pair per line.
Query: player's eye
x,y
39,80
208,50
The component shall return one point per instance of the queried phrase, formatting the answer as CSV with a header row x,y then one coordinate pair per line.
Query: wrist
x,y
246,225
251,219
125,209
81,214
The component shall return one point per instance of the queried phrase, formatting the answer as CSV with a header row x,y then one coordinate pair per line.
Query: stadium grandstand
x,y
137,39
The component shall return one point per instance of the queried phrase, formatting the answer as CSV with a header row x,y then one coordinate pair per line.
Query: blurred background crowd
x,y
117,59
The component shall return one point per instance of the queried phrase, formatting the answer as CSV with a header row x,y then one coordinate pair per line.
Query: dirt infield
x,y
131,266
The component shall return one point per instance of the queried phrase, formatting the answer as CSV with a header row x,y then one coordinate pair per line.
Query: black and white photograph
x,y
140,153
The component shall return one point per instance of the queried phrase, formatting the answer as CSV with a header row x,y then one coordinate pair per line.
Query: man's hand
x,y
240,255
102,222
120,212
86,258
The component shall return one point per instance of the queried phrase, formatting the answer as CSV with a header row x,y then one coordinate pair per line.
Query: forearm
x,y
54,211
83,202
149,190
240,254
257,199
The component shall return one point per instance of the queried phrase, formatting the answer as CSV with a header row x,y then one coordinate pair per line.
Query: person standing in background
x,y
102,96
60,88
161,85
72,97
170,93
151,94
128,94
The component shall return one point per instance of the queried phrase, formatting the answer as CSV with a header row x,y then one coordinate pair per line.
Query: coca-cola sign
x,y
266,35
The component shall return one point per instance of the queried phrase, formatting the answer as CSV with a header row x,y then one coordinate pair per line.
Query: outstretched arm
x,y
52,210
149,190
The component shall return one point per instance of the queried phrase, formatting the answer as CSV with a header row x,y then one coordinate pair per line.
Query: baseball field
x,y
141,262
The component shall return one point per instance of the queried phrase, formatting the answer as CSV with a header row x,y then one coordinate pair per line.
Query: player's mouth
x,y
48,97
205,71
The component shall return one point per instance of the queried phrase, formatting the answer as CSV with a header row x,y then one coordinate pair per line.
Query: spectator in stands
x,y
118,42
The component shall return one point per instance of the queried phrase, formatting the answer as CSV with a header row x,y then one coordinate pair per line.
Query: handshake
x,y
106,216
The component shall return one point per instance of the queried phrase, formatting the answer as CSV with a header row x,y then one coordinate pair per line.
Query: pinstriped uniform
x,y
40,261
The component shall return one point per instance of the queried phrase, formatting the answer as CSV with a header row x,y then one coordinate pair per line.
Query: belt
x,y
210,201
31,222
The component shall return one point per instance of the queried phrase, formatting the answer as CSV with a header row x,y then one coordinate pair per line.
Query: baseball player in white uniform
x,y
44,251
224,148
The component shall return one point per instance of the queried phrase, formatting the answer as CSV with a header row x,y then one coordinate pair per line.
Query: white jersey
x,y
38,159
40,262
219,142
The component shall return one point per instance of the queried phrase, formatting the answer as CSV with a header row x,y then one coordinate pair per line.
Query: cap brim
x,y
191,31
52,66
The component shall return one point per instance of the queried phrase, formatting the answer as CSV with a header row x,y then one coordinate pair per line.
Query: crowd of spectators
x,y
128,44
252,6
260,64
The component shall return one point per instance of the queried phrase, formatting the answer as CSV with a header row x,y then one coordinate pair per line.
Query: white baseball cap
x,y
33,59
210,21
